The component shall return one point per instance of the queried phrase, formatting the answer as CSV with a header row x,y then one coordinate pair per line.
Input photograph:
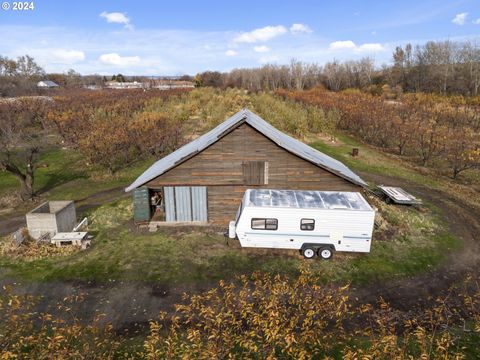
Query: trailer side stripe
x,y
301,234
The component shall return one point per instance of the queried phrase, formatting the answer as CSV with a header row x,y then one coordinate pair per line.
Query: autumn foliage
x,y
111,128
26,334
442,132
260,317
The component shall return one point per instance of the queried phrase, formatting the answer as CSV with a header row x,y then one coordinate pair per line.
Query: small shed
x,y
51,218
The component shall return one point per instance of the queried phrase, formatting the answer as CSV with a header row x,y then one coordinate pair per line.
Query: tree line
x,y
111,129
444,67
19,77
440,132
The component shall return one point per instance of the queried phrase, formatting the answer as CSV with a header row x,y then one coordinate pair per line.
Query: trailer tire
x,y
308,252
325,253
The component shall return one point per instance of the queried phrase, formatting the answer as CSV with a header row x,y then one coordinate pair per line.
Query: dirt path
x,y
418,291
13,223
128,306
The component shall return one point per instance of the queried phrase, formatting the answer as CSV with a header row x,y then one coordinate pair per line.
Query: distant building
x,y
46,84
172,84
92,87
124,85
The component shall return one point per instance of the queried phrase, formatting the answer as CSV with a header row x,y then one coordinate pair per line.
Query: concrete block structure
x,y
51,218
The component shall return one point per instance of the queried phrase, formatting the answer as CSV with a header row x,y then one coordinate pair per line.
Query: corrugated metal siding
x,y
185,203
199,203
169,194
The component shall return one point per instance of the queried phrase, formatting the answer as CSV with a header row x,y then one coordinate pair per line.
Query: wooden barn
x,y
204,181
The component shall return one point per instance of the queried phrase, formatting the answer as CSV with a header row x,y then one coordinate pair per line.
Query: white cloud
x,y
63,56
300,28
268,59
371,47
459,19
117,60
263,34
349,45
261,49
166,52
342,45
231,53
476,22
118,18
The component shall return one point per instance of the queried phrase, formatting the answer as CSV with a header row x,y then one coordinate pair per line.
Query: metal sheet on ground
x,y
399,195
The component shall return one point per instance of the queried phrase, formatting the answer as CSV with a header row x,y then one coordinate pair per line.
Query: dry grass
x,y
30,250
111,215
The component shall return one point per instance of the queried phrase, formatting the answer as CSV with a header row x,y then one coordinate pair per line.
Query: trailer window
x,y
264,224
307,224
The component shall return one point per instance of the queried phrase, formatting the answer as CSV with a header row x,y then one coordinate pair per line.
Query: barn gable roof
x,y
246,116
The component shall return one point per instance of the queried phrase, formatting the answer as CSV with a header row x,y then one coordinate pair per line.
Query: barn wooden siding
x,y
221,168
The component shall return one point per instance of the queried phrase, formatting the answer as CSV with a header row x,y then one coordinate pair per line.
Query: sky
x,y
185,37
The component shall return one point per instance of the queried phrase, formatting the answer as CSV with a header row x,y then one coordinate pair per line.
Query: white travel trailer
x,y
314,222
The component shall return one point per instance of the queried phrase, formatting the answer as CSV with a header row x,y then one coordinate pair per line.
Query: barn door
x,y
186,203
199,203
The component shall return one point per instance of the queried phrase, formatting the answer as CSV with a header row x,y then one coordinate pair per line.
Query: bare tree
x,y
22,137
19,77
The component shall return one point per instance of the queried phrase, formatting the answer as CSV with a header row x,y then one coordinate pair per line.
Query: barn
x,y
204,181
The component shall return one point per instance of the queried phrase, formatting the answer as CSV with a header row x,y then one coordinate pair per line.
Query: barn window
x,y
307,224
255,172
264,224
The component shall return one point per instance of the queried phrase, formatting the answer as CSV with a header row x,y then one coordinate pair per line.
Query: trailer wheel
x,y
308,253
388,200
325,253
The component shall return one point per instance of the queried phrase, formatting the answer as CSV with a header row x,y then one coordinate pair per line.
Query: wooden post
x,y
355,152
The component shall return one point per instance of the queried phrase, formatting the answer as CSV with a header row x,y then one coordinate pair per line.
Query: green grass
x,y
56,167
418,241
371,160
97,181
63,174
198,256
